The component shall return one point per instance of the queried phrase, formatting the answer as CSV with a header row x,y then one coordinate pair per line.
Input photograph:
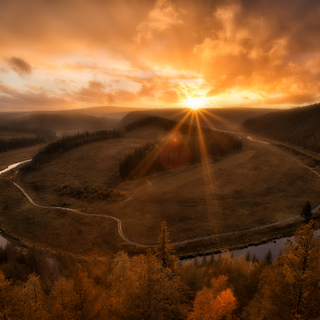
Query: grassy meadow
x,y
252,188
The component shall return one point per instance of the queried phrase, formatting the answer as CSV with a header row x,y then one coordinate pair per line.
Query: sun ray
x,y
210,191
227,123
180,113
206,120
192,118
145,165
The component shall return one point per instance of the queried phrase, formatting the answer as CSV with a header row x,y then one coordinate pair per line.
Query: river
x,y
260,251
14,165
4,241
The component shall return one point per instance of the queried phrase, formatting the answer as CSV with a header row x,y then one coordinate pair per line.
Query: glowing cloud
x,y
163,53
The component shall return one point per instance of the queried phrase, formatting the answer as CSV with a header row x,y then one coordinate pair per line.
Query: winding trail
x,y
78,211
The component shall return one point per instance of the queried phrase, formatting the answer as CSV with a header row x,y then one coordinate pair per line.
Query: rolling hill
x,y
298,126
218,118
197,200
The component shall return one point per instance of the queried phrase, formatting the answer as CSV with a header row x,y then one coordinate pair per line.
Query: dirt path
x,y
159,182
295,218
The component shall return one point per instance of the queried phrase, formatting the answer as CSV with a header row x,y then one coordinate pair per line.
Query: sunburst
x,y
195,103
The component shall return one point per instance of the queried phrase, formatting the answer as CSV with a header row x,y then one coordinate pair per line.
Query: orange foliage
x,y
215,303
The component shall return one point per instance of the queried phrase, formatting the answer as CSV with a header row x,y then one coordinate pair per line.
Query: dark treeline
x,y
177,150
166,124
132,161
89,192
153,286
298,126
41,136
58,147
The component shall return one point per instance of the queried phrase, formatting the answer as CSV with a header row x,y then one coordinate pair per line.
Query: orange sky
x,y
64,54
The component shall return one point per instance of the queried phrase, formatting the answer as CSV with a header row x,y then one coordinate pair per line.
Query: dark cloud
x,y
19,65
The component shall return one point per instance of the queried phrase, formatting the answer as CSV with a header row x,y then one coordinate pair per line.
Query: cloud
x,y
7,89
94,93
295,99
164,15
20,66
162,51
12,99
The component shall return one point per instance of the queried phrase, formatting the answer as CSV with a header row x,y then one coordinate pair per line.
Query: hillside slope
x,y
219,118
298,126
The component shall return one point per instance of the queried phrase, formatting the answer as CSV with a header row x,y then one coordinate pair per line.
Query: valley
x,y
216,203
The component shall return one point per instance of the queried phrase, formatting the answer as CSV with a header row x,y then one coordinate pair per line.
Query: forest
x,y
40,136
156,286
64,144
176,151
297,126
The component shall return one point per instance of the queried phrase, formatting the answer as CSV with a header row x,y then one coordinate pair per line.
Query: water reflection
x,y
3,242
259,251
13,166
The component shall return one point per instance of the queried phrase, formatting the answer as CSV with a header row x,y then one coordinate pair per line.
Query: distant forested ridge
x,y
58,147
298,126
65,121
176,151
40,136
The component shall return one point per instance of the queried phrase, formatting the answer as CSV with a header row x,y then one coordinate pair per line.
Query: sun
x,y
195,103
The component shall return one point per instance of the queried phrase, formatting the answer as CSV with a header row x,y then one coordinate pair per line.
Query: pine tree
x,y
268,257
306,212
164,252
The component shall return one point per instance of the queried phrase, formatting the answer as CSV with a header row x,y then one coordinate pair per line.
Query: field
x,y
255,187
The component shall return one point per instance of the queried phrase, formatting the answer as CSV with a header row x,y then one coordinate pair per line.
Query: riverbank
x,y
241,240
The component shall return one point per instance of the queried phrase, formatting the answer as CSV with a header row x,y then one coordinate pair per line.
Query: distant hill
x,y
219,118
7,117
64,121
112,113
298,126
106,118
109,111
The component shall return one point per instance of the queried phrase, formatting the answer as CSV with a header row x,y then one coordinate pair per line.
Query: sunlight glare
x,y
195,103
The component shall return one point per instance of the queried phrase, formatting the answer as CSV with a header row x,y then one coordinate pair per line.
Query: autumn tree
x,y
63,299
33,299
6,295
164,252
215,303
155,293
143,289
89,303
290,287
